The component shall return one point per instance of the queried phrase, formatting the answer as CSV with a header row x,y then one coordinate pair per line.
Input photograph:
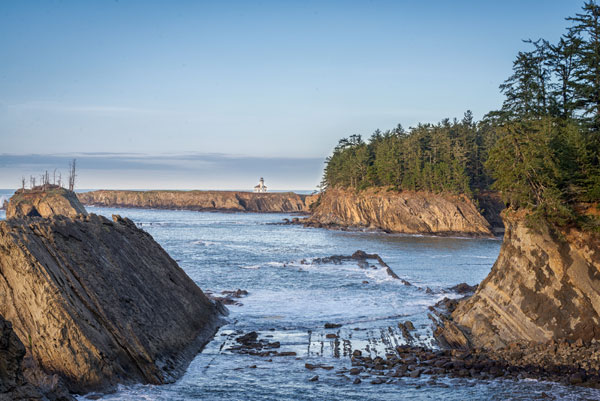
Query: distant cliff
x,y
401,212
99,302
234,201
544,286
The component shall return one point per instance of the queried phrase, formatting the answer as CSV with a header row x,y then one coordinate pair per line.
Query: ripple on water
x,y
290,302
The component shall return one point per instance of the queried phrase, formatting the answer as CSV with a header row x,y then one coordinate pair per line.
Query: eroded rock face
x,y
99,302
201,200
400,212
544,286
13,385
44,202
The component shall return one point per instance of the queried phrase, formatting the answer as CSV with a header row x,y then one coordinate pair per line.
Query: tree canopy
x,y
541,150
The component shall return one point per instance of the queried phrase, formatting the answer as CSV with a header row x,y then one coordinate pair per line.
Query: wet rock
x,y
331,335
361,258
332,325
248,338
313,379
463,288
357,381
229,297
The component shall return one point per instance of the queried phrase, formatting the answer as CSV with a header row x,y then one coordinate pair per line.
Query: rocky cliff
x,y
544,286
44,202
400,212
99,302
201,200
13,385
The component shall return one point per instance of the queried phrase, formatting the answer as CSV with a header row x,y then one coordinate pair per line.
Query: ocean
x,y
289,300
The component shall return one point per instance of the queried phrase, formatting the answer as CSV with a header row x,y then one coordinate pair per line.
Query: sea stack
x,y
44,201
96,302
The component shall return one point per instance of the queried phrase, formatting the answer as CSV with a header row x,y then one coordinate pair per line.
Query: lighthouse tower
x,y
261,187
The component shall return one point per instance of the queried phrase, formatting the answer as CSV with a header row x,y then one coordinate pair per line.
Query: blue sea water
x,y
290,301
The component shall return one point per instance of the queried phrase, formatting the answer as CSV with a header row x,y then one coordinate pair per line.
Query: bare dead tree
x,y
23,183
32,180
72,174
59,179
54,177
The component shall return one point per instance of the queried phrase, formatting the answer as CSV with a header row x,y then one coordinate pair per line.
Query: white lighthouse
x,y
261,187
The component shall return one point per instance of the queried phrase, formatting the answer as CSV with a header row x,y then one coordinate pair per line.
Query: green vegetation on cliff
x,y
445,157
541,150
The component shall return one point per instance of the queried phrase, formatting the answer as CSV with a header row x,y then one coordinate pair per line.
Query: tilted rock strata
x,y
400,212
44,202
544,286
201,200
99,302
13,385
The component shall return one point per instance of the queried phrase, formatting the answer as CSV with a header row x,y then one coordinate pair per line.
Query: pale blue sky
x,y
224,80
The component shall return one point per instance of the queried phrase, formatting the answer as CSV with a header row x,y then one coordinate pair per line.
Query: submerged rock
x,y
463,288
99,302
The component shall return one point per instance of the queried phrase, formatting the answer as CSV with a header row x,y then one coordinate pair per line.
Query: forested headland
x,y
540,150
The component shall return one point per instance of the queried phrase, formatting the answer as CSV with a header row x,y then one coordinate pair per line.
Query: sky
x,y
215,94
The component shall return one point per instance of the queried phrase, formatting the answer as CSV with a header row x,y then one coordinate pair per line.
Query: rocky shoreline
x,y
212,201
83,297
406,212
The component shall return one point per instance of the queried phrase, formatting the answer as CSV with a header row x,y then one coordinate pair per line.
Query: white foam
x,y
205,243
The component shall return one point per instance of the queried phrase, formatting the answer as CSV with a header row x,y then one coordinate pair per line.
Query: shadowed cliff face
x,y
544,286
99,302
13,385
44,202
201,200
400,212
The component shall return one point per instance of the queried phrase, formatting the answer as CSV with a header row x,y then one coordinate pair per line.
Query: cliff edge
x,y
232,201
399,212
544,286
99,302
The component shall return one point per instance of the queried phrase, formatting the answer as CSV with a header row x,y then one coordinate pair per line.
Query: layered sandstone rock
x,y
201,200
44,202
400,212
13,385
99,302
544,286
